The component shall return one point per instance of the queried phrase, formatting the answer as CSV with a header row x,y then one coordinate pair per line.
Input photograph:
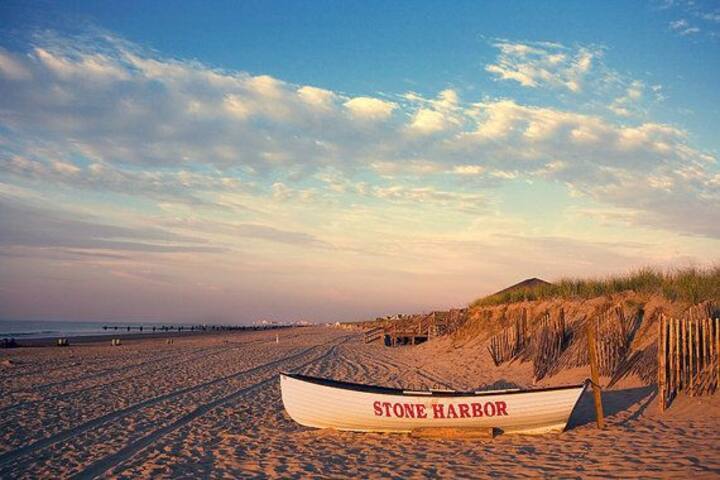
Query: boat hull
x,y
322,403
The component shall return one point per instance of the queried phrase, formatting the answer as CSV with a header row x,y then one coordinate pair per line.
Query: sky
x,y
237,161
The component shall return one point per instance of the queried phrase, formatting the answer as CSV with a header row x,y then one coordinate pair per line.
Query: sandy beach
x,y
210,406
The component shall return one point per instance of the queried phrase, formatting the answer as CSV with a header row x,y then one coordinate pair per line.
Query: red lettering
x,y
387,408
501,408
398,410
378,409
464,410
421,413
409,410
489,412
451,411
438,410
477,409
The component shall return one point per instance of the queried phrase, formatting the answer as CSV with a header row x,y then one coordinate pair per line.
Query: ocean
x,y
49,329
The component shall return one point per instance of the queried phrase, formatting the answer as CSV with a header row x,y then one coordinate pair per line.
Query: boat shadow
x,y
614,402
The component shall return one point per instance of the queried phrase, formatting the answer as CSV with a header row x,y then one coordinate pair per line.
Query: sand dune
x,y
210,407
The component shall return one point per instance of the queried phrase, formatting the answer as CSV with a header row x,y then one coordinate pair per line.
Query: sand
x,y
210,406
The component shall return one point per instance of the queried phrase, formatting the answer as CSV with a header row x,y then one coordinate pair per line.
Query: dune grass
x,y
690,284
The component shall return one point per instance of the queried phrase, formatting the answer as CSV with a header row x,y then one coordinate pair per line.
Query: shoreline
x,y
126,337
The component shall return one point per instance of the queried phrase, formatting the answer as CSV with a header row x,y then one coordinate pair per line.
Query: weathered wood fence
x,y
548,343
543,345
509,343
688,355
550,337
612,340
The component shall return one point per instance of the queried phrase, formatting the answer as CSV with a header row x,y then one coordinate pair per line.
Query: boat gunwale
x,y
361,387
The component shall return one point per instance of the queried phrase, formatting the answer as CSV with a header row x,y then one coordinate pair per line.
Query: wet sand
x,y
209,406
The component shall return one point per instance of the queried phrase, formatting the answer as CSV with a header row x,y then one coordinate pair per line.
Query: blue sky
x,y
336,160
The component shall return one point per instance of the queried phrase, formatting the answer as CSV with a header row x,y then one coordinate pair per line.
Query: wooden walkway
x,y
415,329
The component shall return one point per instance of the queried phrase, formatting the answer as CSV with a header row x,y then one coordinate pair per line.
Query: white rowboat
x,y
323,403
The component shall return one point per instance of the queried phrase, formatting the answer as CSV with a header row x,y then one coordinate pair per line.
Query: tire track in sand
x,y
126,453
12,455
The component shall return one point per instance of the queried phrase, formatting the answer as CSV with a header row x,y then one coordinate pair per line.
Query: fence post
x,y
706,344
661,362
594,375
678,379
717,352
691,352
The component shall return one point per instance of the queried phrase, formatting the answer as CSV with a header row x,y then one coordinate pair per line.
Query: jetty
x,y
192,328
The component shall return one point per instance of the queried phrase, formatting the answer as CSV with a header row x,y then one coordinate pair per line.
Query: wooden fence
x,y
613,335
554,344
509,343
544,346
548,343
688,355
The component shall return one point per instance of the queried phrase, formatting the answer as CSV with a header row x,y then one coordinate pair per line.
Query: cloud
x,y
458,201
435,115
695,19
317,97
611,163
627,105
12,69
682,27
233,230
542,64
107,116
468,169
367,108
179,186
30,226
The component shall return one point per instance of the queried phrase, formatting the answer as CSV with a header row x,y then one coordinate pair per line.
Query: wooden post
x,y
697,345
592,352
711,337
717,351
691,352
706,357
669,356
676,332
661,362
686,370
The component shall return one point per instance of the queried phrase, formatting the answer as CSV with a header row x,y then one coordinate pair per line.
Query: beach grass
x,y
689,284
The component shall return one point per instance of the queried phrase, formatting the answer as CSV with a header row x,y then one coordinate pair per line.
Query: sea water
x,y
58,328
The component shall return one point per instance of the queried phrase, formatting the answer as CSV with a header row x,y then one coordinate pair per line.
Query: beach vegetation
x,y
688,284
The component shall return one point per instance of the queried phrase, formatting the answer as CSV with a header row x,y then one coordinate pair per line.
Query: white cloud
x,y
543,64
180,131
468,169
435,115
83,66
628,104
428,121
317,97
368,108
683,27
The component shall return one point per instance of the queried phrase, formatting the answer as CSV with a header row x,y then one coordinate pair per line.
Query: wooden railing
x,y
374,334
